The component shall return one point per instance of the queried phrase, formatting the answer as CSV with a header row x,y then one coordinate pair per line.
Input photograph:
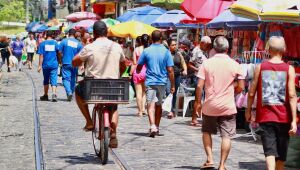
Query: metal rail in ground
x,y
119,160
39,161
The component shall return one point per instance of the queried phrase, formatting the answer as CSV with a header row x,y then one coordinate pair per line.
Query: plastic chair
x,y
186,93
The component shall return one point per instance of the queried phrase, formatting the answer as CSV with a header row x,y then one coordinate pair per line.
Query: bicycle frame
x,y
103,110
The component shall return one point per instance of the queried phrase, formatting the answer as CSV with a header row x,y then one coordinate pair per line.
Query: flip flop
x,y
207,165
86,129
195,124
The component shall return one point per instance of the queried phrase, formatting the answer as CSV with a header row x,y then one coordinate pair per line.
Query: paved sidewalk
x,y
16,122
65,144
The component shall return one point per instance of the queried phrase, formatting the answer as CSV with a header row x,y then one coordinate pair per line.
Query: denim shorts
x,y
50,75
155,93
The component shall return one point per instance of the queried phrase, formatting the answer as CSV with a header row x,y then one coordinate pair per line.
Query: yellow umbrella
x,y
131,29
268,10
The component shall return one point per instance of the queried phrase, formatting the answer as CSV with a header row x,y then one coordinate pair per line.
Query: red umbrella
x,y
78,16
189,20
205,10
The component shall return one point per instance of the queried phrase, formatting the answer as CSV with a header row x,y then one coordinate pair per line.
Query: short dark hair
x,y
100,29
156,36
72,32
49,34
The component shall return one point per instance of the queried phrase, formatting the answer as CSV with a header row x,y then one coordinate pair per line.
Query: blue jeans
x,y
177,84
69,74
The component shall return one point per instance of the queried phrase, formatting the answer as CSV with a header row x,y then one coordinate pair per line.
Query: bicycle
x,y
101,132
103,93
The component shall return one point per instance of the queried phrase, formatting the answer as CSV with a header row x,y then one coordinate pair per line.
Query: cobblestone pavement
x,y
16,122
66,146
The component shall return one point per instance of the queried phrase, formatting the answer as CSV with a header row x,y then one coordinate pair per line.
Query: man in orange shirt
x,y
217,75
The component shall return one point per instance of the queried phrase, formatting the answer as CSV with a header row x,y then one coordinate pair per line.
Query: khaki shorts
x,y
155,94
225,124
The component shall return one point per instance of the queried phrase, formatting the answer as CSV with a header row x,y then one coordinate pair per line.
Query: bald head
x,y
276,45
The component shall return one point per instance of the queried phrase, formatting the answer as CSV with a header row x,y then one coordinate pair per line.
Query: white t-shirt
x,y
30,45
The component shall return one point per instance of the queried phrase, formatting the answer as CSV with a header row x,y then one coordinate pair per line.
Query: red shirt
x,y
272,93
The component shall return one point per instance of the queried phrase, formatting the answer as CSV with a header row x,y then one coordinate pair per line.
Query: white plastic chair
x,y
186,93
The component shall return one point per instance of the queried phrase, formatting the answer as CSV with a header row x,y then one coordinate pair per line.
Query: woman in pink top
x,y
139,79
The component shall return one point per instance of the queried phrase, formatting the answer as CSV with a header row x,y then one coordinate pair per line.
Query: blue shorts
x,y
50,75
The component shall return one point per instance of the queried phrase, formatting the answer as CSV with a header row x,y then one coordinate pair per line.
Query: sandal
x,y
88,129
207,165
171,115
195,124
113,143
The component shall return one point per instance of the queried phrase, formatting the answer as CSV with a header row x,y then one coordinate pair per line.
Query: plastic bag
x,y
167,105
240,100
24,57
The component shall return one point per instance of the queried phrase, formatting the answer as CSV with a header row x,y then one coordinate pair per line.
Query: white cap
x,y
206,39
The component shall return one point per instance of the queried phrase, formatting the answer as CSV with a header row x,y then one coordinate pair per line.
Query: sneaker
x,y
20,69
70,97
44,98
54,98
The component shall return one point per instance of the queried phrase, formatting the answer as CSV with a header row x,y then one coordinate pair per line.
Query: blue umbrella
x,y
183,26
228,20
169,19
146,14
42,28
30,25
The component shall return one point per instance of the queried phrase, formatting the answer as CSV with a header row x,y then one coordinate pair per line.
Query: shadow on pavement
x,y
87,158
252,165
139,134
187,167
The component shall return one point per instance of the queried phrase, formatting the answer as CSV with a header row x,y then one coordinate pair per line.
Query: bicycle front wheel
x,y
96,132
104,142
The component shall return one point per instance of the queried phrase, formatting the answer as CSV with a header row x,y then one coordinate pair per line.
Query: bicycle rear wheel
x,y
96,132
104,142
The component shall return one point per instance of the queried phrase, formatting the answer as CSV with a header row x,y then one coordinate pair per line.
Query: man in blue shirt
x,y
69,47
159,64
48,50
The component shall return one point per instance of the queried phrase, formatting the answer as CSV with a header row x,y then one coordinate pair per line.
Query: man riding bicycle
x,y
103,59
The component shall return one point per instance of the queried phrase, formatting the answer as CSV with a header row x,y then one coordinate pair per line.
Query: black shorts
x,y
30,56
275,139
79,90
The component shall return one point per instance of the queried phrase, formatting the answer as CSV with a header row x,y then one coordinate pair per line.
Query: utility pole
x,y
27,11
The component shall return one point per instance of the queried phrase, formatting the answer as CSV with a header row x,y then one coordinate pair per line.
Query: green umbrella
x,y
168,4
110,22
53,28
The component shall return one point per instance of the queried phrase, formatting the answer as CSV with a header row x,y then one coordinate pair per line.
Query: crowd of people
x,y
157,68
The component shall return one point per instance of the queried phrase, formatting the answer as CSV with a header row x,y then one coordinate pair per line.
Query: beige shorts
x,y
225,124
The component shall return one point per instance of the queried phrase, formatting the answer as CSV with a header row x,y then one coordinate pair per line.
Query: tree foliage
x,y
12,10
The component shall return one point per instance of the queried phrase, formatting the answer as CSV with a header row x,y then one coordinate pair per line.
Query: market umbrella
x,y
53,28
131,29
268,10
53,22
39,28
204,10
146,14
168,4
30,25
42,28
78,16
84,24
228,20
169,19
110,22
